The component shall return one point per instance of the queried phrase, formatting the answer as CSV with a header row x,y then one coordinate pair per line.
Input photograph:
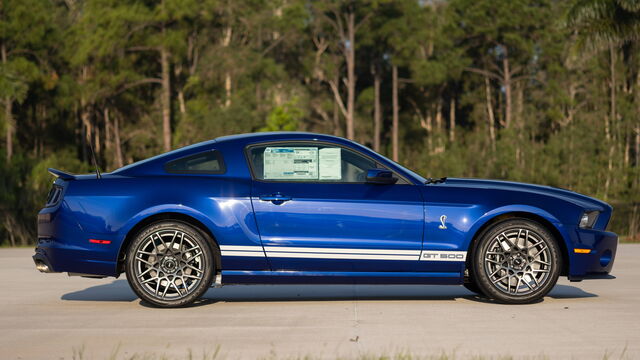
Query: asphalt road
x,y
52,316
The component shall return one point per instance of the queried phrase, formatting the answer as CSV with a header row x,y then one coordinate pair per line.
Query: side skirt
x,y
329,277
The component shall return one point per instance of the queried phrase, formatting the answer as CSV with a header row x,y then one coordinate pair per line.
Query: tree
x,y
23,35
614,25
337,23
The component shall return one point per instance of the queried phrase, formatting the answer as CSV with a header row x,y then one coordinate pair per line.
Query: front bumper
x,y
601,246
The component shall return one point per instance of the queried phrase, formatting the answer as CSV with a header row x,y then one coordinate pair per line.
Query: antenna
x,y
95,161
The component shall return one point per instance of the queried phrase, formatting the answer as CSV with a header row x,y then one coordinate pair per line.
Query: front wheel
x,y
169,264
517,262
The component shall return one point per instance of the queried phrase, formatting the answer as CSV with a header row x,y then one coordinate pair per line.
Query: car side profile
x,y
304,208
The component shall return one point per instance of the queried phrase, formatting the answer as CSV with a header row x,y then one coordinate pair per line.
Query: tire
x,y
516,261
170,264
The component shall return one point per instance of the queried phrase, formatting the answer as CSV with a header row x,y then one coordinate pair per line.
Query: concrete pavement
x,y
52,316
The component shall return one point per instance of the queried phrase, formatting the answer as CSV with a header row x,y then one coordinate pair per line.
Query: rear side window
x,y
209,162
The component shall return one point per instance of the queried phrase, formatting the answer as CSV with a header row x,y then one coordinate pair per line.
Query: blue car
x,y
304,208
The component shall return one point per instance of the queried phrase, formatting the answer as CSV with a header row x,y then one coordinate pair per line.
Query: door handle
x,y
276,198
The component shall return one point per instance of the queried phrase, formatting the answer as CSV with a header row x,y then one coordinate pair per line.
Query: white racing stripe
x,y
240,248
340,250
242,253
342,253
340,256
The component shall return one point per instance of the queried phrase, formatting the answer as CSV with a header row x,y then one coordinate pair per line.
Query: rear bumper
x,y
63,245
602,247
53,257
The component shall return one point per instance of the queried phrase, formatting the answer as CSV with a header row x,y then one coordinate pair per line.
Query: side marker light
x,y
582,251
103,242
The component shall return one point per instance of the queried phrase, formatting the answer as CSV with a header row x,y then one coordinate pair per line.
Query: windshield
x,y
409,172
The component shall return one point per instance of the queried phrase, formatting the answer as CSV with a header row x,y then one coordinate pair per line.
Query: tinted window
x,y
308,163
209,162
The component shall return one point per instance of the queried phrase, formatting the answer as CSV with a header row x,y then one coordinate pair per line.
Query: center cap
x,y
169,264
517,262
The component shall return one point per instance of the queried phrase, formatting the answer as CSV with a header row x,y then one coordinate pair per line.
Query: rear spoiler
x,y
61,174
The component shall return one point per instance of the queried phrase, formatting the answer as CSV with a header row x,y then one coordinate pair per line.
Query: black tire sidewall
x,y
209,268
482,279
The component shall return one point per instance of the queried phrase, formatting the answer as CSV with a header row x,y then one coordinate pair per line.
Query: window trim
x,y
216,153
247,154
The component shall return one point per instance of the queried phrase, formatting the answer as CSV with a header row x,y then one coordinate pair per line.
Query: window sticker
x,y
330,167
291,163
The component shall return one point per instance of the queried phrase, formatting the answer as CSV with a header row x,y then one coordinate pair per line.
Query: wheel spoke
x,y
148,280
191,258
146,271
542,262
191,267
146,262
192,276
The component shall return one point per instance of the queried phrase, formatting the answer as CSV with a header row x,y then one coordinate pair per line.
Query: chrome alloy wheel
x,y
518,261
169,264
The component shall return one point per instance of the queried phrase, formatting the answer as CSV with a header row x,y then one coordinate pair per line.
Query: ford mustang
x,y
301,208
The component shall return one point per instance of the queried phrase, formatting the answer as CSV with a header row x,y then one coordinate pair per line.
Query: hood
x,y
586,202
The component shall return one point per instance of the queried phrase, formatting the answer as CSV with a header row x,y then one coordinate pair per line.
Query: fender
x,y
518,208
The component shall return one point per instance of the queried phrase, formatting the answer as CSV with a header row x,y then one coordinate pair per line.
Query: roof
x,y
240,139
277,135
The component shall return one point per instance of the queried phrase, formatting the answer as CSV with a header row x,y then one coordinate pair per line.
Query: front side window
x,y
208,162
308,163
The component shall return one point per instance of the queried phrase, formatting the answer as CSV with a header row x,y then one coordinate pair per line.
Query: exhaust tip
x,y
42,267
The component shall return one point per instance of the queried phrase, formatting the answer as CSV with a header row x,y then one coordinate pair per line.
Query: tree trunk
x,y
490,116
520,123
117,143
8,113
8,116
637,152
612,70
377,112
181,102
394,130
85,117
439,117
166,98
337,129
226,41
609,123
452,120
507,88
108,129
351,75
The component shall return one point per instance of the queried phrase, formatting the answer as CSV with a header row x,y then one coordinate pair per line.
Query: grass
x,y
6,245
80,354
630,239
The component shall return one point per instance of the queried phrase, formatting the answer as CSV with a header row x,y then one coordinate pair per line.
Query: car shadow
x,y
119,290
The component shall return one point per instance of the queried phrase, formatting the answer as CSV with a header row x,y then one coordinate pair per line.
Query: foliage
x,y
544,91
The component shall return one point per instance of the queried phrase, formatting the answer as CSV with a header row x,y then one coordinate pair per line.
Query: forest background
x,y
540,91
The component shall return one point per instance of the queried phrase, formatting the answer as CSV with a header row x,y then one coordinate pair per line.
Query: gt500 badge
x,y
430,255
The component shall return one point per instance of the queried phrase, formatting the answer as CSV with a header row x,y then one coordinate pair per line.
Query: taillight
x,y
55,195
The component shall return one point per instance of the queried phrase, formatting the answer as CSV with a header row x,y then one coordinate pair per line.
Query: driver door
x,y
316,212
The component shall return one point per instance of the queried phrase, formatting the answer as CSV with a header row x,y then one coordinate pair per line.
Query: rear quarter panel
x,y
110,207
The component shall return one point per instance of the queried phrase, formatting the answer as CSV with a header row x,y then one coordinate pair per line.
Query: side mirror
x,y
381,177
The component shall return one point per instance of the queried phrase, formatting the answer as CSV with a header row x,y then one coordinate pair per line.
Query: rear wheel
x,y
170,264
516,262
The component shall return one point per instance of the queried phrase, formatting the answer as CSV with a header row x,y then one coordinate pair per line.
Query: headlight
x,y
588,219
